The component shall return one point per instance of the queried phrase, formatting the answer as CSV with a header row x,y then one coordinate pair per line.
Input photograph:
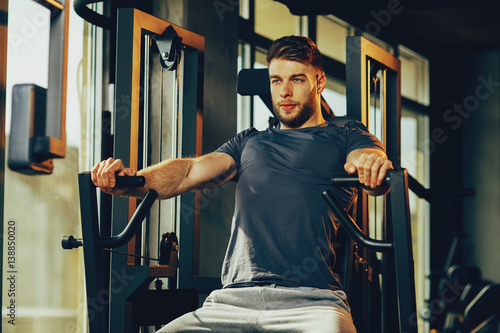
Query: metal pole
x,y
403,251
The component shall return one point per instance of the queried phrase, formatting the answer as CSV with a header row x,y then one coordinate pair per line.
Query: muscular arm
x,y
371,164
169,178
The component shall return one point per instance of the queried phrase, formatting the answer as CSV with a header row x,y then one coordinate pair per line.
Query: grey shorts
x,y
268,309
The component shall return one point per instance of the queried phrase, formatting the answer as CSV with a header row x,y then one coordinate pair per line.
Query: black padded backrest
x,y
253,82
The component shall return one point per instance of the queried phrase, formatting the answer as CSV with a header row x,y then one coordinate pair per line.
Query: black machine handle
x,y
344,181
128,233
130,181
351,227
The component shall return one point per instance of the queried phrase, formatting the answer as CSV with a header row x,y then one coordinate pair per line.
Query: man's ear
x,y
320,82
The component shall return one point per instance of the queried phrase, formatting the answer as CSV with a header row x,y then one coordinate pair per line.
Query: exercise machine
x,y
140,276
143,307
400,246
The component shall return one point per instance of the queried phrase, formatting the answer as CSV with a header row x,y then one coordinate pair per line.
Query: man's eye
x,y
297,80
274,81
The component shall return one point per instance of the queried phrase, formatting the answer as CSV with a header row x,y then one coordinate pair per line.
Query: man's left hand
x,y
370,164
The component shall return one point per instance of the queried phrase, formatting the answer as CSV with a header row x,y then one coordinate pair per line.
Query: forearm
x,y
168,178
178,176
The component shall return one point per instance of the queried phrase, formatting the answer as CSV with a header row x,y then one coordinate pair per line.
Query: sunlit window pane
x,y
331,38
334,94
273,20
414,76
244,9
414,157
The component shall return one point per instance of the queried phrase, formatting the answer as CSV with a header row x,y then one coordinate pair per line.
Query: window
x,y
330,37
334,95
414,157
273,20
244,9
415,75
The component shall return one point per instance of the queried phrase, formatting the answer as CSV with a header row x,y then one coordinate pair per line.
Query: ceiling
x,y
423,25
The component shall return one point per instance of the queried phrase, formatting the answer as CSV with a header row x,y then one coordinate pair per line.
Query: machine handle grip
x,y
344,181
130,181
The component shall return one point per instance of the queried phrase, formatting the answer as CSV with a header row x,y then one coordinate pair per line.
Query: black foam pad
x,y
253,82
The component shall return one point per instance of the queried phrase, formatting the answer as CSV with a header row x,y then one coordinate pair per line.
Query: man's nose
x,y
286,90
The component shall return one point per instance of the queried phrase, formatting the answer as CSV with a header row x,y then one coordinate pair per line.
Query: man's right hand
x,y
104,175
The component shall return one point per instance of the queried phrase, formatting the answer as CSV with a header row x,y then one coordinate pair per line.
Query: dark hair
x,y
296,48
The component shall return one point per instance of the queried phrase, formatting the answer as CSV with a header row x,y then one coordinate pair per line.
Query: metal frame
x,y
94,245
403,251
361,55
57,85
360,52
132,25
190,221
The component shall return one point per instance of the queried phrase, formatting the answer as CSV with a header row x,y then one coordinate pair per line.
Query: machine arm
x,y
351,227
70,242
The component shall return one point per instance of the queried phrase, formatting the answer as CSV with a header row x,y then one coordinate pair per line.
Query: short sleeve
x,y
234,147
357,137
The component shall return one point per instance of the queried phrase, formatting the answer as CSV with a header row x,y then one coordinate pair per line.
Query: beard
x,y
304,111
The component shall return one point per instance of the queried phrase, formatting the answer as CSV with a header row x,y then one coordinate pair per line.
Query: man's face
x,y
294,91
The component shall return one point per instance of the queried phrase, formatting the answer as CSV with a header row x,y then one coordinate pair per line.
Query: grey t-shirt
x,y
282,231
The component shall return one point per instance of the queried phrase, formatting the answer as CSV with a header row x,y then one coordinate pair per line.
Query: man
x,y
277,274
